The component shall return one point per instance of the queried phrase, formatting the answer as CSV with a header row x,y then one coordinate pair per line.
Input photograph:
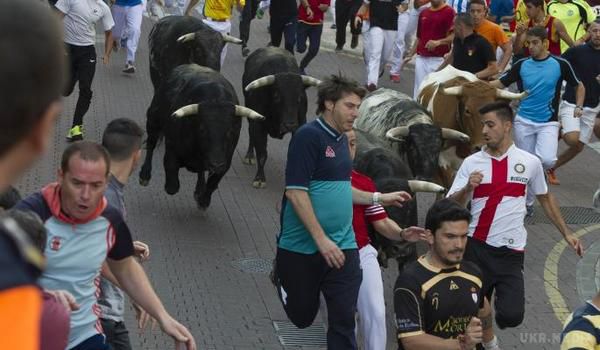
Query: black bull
x,y
199,116
274,88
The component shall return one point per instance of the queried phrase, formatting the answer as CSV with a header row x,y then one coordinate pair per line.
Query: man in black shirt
x,y
470,51
383,21
283,21
577,132
437,299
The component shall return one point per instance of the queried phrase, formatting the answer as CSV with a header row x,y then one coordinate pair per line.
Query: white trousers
x,y
539,139
128,24
402,40
424,66
332,10
381,44
371,303
221,27
366,25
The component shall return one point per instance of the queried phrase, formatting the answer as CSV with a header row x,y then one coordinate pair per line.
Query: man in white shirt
x,y
79,18
496,181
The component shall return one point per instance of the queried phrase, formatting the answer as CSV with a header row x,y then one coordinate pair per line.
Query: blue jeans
x,y
313,33
96,342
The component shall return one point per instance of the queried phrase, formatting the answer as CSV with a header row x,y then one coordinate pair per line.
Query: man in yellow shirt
x,y
492,32
217,15
575,15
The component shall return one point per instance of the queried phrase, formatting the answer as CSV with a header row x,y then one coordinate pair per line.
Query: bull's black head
x,y
423,145
205,48
288,104
210,136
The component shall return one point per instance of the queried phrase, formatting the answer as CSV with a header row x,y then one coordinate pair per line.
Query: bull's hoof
x,y
144,182
249,160
259,184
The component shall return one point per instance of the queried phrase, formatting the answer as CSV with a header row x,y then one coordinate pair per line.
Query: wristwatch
x,y
376,197
579,107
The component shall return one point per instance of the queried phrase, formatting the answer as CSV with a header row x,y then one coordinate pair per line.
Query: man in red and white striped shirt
x,y
496,181
371,303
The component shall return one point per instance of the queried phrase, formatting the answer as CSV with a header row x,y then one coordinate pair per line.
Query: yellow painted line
x,y
559,306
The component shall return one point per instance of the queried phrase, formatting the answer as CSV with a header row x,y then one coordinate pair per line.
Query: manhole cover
x,y
253,265
572,215
290,335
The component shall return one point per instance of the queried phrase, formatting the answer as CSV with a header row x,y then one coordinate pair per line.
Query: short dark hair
x,y
445,210
538,32
32,66
477,2
9,198
122,137
86,150
502,110
32,225
536,3
334,88
465,19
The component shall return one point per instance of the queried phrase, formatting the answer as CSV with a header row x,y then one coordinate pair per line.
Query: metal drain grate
x,y
290,335
253,265
572,215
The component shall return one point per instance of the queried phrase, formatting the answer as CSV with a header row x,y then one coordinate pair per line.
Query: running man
x,y
495,181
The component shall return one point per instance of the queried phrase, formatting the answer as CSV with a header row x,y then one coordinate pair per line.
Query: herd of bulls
x,y
403,144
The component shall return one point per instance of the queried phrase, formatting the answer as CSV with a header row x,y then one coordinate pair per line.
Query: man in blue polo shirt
x,y
317,251
536,124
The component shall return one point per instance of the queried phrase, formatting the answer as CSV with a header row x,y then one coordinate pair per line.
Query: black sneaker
x,y
339,48
245,51
354,42
333,26
129,68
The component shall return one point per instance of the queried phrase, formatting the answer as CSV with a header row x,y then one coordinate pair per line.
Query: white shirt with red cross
x,y
498,203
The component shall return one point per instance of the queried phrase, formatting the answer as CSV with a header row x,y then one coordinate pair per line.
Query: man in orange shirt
x,y
30,96
492,32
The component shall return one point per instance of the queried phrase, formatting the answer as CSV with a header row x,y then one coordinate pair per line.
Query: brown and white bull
x,y
454,97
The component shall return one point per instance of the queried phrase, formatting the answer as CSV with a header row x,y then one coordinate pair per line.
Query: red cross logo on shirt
x,y
495,191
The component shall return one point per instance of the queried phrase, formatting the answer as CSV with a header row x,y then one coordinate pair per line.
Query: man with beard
x,y
496,180
438,299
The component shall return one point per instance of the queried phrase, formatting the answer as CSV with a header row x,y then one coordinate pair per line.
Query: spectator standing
x,y
492,32
434,36
310,26
536,123
31,102
127,15
555,30
577,132
217,15
80,19
470,51
495,180
575,15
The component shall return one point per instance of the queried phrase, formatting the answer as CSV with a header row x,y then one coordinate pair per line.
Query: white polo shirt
x,y
80,20
498,203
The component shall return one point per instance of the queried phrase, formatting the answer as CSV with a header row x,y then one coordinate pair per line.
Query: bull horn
x,y
185,111
260,82
451,134
395,134
242,111
308,80
187,37
500,93
231,39
425,186
452,91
